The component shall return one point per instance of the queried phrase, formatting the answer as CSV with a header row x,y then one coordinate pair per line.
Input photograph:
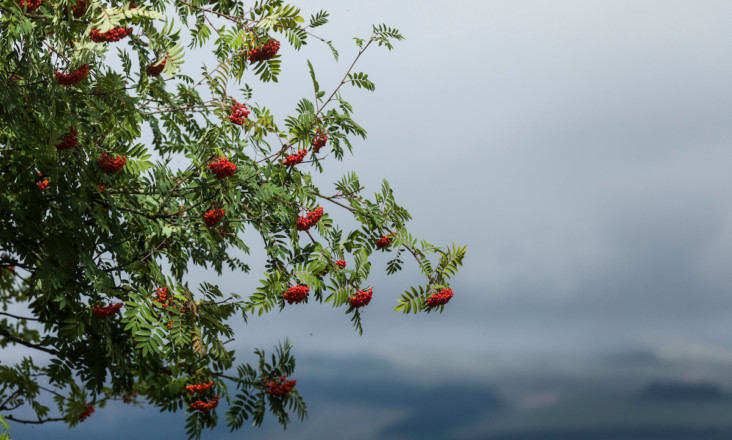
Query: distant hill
x,y
671,390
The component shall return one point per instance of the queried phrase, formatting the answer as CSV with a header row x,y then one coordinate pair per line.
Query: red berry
x,y
319,141
74,77
163,297
112,165
295,159
362,298
106,312
213,216
264,52
43,184
156,68
222,168
31,5
202,406
296,294
70,141
239,112
383,242
341,263
199,388
305,223
86,413
79,8
439,298
112,35
280,387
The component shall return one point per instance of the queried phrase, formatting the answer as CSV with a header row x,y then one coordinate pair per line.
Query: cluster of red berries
x,y
106,312
319,141
383,242
107,163
281,387
341,263
362,298
32,5
222,168
86,413
199,388
213,216
42,184
70,141
264,52
439,298
79,9
239,112
156,69
295,159
75,77
163,297
305,223
200,405
296,294
112,35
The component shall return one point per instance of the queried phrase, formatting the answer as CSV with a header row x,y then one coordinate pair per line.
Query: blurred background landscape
x,y
582,151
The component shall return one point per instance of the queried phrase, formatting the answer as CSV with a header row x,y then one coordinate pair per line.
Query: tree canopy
x,y
100,225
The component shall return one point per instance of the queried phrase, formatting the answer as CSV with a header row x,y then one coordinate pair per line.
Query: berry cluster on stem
x,y
163,297
31,5
264,52
280,387
42,184
362,298
239,112
111,164
305,223
222,168
86,413
155,69
112,35
341,263
383,242
106,312
213,216
79,8
203,406
296,294
439,298
75,77
199,388
70,141
319,141
294,159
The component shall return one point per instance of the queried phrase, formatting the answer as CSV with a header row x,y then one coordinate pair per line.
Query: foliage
x,y
4,435
81,238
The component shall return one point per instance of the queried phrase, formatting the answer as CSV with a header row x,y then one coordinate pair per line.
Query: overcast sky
x,y
581,150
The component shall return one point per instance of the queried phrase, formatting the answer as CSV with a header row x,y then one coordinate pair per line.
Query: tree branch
x,y
6,334
34,422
